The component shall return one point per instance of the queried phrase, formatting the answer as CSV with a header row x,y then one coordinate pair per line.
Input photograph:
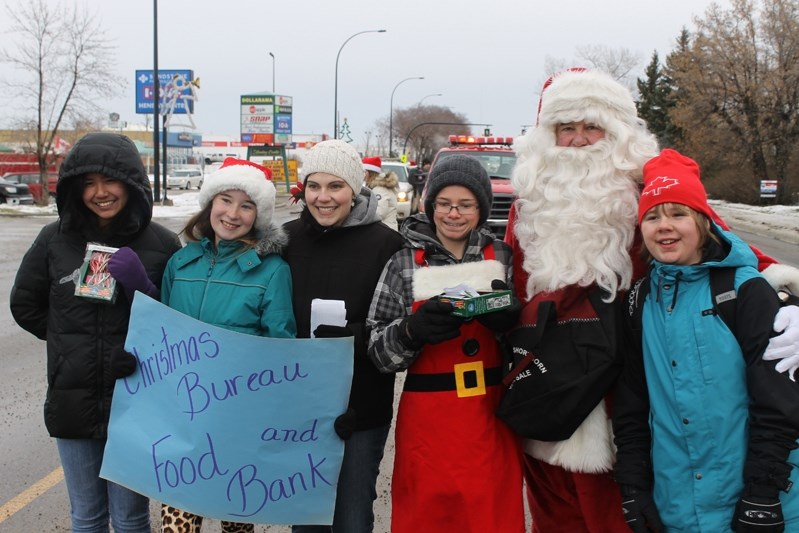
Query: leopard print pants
x,y
177,521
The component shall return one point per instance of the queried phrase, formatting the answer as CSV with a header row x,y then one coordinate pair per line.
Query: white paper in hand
x,y
462,290
330,312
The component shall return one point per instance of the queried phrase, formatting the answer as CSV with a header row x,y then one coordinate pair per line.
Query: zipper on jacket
x,y
674,294
207,284
102,364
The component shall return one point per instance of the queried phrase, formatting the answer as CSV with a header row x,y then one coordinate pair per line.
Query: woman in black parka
x,y
337,249
103,197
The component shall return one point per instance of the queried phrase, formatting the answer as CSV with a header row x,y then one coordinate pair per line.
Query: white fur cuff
x,y
782,276
431,281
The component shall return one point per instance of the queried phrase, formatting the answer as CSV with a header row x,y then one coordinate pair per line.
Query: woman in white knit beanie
x,y
337,249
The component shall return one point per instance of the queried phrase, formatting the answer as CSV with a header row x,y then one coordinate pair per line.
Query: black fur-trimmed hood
x,y
274,242
114,156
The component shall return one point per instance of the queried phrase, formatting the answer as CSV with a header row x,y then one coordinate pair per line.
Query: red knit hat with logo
x,y
372,164
673,178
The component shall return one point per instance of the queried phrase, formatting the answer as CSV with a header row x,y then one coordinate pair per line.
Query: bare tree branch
x,y
64,63
739,82
619,63
425,141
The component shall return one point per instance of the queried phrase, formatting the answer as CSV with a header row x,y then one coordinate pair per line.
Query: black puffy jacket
x,y
80,332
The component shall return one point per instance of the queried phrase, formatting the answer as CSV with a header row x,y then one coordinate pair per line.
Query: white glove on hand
x,y
786,345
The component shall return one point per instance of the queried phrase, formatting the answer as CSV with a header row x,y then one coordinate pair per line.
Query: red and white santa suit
x,y
457,467
451,476
574,226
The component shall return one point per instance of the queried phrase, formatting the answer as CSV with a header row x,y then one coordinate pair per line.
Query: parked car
x,y
218,157
405,204
184,178
32,177
15,193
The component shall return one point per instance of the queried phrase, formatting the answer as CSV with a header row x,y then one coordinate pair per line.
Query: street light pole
x,y
426,97
273,71
335,85
391,115
156,99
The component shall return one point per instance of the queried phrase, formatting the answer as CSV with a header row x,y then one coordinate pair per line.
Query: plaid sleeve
x,y
504,255
391,303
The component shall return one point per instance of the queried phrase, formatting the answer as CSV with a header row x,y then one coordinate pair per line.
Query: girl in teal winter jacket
x,y
706,429
231,274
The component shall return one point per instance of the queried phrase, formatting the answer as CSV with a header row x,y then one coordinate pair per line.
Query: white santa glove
x,y
786,345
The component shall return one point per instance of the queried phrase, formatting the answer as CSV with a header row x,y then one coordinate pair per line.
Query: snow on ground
x,y
184,205
778,221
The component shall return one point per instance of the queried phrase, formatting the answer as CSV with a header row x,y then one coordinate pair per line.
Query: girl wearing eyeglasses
x,y
456,466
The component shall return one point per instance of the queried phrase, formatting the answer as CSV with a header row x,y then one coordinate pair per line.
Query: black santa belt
x,y
468,379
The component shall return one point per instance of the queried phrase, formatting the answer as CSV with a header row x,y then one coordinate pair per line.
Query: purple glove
x,y
126,267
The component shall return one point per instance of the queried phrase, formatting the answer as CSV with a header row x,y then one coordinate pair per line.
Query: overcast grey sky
x,y
485,57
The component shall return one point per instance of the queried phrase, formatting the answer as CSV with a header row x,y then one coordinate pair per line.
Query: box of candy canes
x,y
95,281
468,302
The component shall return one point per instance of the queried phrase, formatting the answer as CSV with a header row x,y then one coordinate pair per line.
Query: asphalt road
x,y
32,492
33,495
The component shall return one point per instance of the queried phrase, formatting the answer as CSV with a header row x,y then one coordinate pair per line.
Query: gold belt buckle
x,y
478,389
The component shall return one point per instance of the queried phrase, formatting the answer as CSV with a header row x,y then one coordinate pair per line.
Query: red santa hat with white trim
x,y
252,179
372,164
581,94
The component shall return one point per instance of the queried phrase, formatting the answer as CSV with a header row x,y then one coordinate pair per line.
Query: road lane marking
x,y
18,502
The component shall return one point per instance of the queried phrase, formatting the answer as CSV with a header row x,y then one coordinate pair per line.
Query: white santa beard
x,y
577,224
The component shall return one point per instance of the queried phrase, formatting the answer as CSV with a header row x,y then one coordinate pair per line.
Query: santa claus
x,y
572,230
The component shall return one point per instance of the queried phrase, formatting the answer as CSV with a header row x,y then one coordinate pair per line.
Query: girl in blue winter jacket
x,y
706,429
231,274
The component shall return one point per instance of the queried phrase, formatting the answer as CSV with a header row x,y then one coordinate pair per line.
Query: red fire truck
x,y
24,169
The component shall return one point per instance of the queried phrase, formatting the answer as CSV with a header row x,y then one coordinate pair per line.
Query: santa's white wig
x,y
577,207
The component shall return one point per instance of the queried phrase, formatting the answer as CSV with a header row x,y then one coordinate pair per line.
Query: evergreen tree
x,y
655,102
675,63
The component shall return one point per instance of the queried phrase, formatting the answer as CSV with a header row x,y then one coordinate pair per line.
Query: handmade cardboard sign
x,y
226,425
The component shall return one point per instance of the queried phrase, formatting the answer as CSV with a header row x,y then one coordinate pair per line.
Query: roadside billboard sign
x,y
145,90
265,118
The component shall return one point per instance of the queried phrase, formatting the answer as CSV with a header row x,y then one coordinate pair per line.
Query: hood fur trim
x,y
273,242
388,180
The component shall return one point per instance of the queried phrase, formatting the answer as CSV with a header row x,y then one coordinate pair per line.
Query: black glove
x,y
758,515
121,363
326,331
639,510
345,424
502,321
432,323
